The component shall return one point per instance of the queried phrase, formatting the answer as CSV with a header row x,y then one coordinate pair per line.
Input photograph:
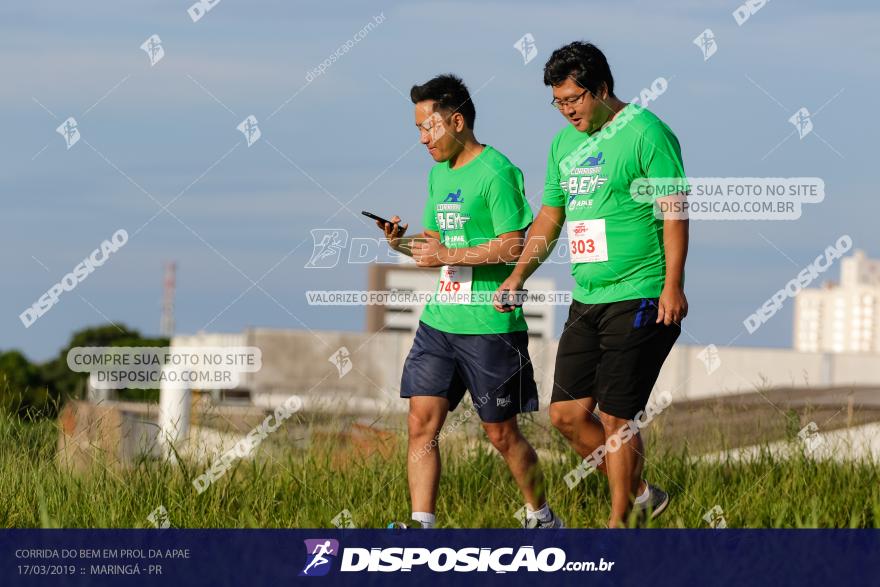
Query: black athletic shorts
x,y
613,353
496,368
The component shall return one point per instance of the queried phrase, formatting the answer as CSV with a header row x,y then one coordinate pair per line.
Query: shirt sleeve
x,y
660,157
429,218
507,202
553,194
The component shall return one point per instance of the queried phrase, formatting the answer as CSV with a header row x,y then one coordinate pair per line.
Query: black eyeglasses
x,y
573,101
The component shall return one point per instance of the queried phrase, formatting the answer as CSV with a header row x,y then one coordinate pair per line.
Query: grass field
x,y
309,487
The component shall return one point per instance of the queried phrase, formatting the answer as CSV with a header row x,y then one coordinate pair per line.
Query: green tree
x,y
144,395
66,384
22,390
34,391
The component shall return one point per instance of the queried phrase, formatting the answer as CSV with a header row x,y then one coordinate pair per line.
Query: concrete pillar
x,y
174,414
97,395
827,370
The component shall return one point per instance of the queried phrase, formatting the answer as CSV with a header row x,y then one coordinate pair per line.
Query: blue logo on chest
x,y
594,161
455,197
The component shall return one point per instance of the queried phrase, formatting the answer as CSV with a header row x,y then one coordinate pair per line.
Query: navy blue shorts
x,y
496,368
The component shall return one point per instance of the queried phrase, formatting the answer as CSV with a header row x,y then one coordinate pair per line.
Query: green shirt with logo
x,y
470,206
590,176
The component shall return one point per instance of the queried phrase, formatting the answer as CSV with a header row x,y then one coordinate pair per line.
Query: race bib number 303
x,y
455,284
586,241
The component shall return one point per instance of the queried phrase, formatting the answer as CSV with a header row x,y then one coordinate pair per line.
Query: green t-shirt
x,y
470,206
590,176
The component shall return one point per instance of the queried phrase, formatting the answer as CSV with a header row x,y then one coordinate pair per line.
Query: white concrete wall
x,y
737,370
748,369
296,361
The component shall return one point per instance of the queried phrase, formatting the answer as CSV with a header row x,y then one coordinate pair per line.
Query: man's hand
x,y
393,231
428,253
672,306
512,283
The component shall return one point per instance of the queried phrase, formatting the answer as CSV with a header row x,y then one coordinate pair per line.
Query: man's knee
x,y
562,419
502,435
424,423
612,424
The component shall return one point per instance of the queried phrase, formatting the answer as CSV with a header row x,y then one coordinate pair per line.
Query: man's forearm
x,y
536,250
542,239
675,243
494,252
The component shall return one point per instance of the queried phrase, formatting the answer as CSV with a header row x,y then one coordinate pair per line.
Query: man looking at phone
x,y
475,220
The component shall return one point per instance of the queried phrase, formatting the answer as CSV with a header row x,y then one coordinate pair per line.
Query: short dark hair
x,y
450,93
584,62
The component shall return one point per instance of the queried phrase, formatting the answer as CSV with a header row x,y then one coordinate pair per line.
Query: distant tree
x,y
143,395
38,391
66,384
22,389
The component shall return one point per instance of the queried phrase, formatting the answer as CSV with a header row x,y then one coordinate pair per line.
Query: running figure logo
x,y
317,553
341,359
159,518
70,131
811,438
526,47
715,517
343,519
328,244
706,42
802,122
710,358
249,127
153,48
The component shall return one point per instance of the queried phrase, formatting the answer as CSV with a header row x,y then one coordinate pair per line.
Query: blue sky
x,y
153,131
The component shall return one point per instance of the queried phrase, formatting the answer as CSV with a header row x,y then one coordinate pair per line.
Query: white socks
x,y
543,514
645,496
425,519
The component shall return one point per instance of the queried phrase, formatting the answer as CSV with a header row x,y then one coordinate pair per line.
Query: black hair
x,y
449,93
584,62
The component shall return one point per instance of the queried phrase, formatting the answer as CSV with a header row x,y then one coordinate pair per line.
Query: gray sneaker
x,y
652,508
553,523
413,525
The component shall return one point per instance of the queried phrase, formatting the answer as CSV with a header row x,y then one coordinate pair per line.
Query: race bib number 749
x,y
586,241
455,284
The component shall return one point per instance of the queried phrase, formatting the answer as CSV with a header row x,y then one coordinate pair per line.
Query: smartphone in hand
x,y
514,299
379,219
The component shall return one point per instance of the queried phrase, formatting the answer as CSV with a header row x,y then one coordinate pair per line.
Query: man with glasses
x,y
627,259
475,222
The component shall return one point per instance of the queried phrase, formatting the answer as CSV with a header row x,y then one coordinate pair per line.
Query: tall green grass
x,y
289,488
